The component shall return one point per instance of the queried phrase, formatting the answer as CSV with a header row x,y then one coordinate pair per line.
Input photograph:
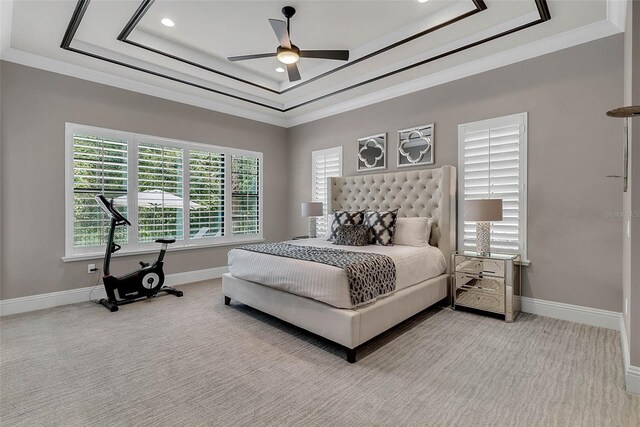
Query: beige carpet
x,y
194,361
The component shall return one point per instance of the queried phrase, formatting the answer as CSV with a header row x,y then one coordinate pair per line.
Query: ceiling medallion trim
x,y
135,20
72,28
81,7
146,5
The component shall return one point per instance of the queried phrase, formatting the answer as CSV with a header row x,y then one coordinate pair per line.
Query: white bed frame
x,y
427,193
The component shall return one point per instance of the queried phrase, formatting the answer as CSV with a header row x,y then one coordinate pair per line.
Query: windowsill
x,y
525,263
123,253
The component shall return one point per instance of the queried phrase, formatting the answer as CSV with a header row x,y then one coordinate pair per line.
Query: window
x,y
325,164
245,195
100,166
160,182
166,188
206,191
492,164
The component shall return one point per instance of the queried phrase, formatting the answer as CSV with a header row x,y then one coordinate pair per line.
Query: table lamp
x,y
312,210
483,212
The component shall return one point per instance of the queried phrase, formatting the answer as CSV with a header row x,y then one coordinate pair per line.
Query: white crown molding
x,y
6,13
572,313
551,44
73,296
84,73
631,373
616,11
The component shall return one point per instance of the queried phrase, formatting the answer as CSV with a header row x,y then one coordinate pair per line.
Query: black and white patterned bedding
x,y
352,235
370,275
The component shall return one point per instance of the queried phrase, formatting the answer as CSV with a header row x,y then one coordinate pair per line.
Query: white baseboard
x,y
72,296
572,313
631,373
593,317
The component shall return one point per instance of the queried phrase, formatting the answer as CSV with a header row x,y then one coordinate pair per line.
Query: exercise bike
x,y
141,284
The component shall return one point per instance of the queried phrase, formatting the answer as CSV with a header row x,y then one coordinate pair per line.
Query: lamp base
x,y
312,228
483,237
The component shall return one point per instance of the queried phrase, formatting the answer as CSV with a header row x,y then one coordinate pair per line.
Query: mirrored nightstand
x,y
488,282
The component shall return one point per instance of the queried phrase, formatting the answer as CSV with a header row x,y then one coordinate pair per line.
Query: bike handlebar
x,y
110,210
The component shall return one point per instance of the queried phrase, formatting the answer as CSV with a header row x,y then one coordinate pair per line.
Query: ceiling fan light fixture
x,y
288,56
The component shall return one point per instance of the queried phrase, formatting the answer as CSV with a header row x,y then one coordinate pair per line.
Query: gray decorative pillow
x,y
352,235
344,218
382,226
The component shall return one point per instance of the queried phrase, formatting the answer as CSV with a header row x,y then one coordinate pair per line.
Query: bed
x,y
314,297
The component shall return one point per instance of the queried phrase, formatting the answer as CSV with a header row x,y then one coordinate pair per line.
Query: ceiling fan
x,y
287,52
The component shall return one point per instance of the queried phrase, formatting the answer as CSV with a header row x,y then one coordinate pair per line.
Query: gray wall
x,y
575,250
35,106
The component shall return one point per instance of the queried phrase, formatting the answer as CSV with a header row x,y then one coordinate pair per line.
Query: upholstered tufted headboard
x,y
428,193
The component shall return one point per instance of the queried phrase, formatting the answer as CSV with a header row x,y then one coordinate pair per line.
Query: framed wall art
x,y
372,153
415,146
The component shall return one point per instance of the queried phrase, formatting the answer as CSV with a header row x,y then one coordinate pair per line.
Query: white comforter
x,y
326,283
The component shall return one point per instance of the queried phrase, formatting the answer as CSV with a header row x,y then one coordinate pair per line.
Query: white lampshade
x,y
311,208
483,210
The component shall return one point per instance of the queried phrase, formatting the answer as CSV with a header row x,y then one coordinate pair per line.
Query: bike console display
x,y
110,210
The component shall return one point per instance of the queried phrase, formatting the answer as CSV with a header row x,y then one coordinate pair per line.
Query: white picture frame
x,y
367,156
416,146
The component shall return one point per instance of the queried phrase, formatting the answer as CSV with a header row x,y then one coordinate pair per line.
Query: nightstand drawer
x,y
484,266
488,284
480,300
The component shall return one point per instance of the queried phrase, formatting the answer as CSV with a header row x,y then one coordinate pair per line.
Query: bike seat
x,y
166,241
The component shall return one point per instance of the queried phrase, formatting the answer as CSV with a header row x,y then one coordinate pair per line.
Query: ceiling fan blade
x,y
294,73
245,57
340,55
280,28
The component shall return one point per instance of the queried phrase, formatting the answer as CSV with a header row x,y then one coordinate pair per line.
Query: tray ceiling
x,y
393,45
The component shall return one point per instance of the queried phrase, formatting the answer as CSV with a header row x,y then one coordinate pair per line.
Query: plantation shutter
x,y
99,167
160,182
245,195
492,156
206,194
198,194
325,164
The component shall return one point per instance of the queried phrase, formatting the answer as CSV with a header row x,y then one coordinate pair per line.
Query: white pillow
x,y
413,231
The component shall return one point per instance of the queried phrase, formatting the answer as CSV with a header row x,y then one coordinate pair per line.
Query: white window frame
x,y
323,153
522,120
133,246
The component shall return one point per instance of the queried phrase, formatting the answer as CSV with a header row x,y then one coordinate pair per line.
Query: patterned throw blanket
x,y
369,275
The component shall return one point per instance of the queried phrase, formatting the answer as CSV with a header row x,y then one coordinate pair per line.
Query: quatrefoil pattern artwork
x,y
415,146
372,152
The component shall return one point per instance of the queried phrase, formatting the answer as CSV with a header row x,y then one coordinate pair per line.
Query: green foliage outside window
x,y
160,176
100,166
206,193
245,200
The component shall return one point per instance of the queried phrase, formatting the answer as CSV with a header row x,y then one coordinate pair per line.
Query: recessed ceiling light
x,y
167,22
422,1
280,70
